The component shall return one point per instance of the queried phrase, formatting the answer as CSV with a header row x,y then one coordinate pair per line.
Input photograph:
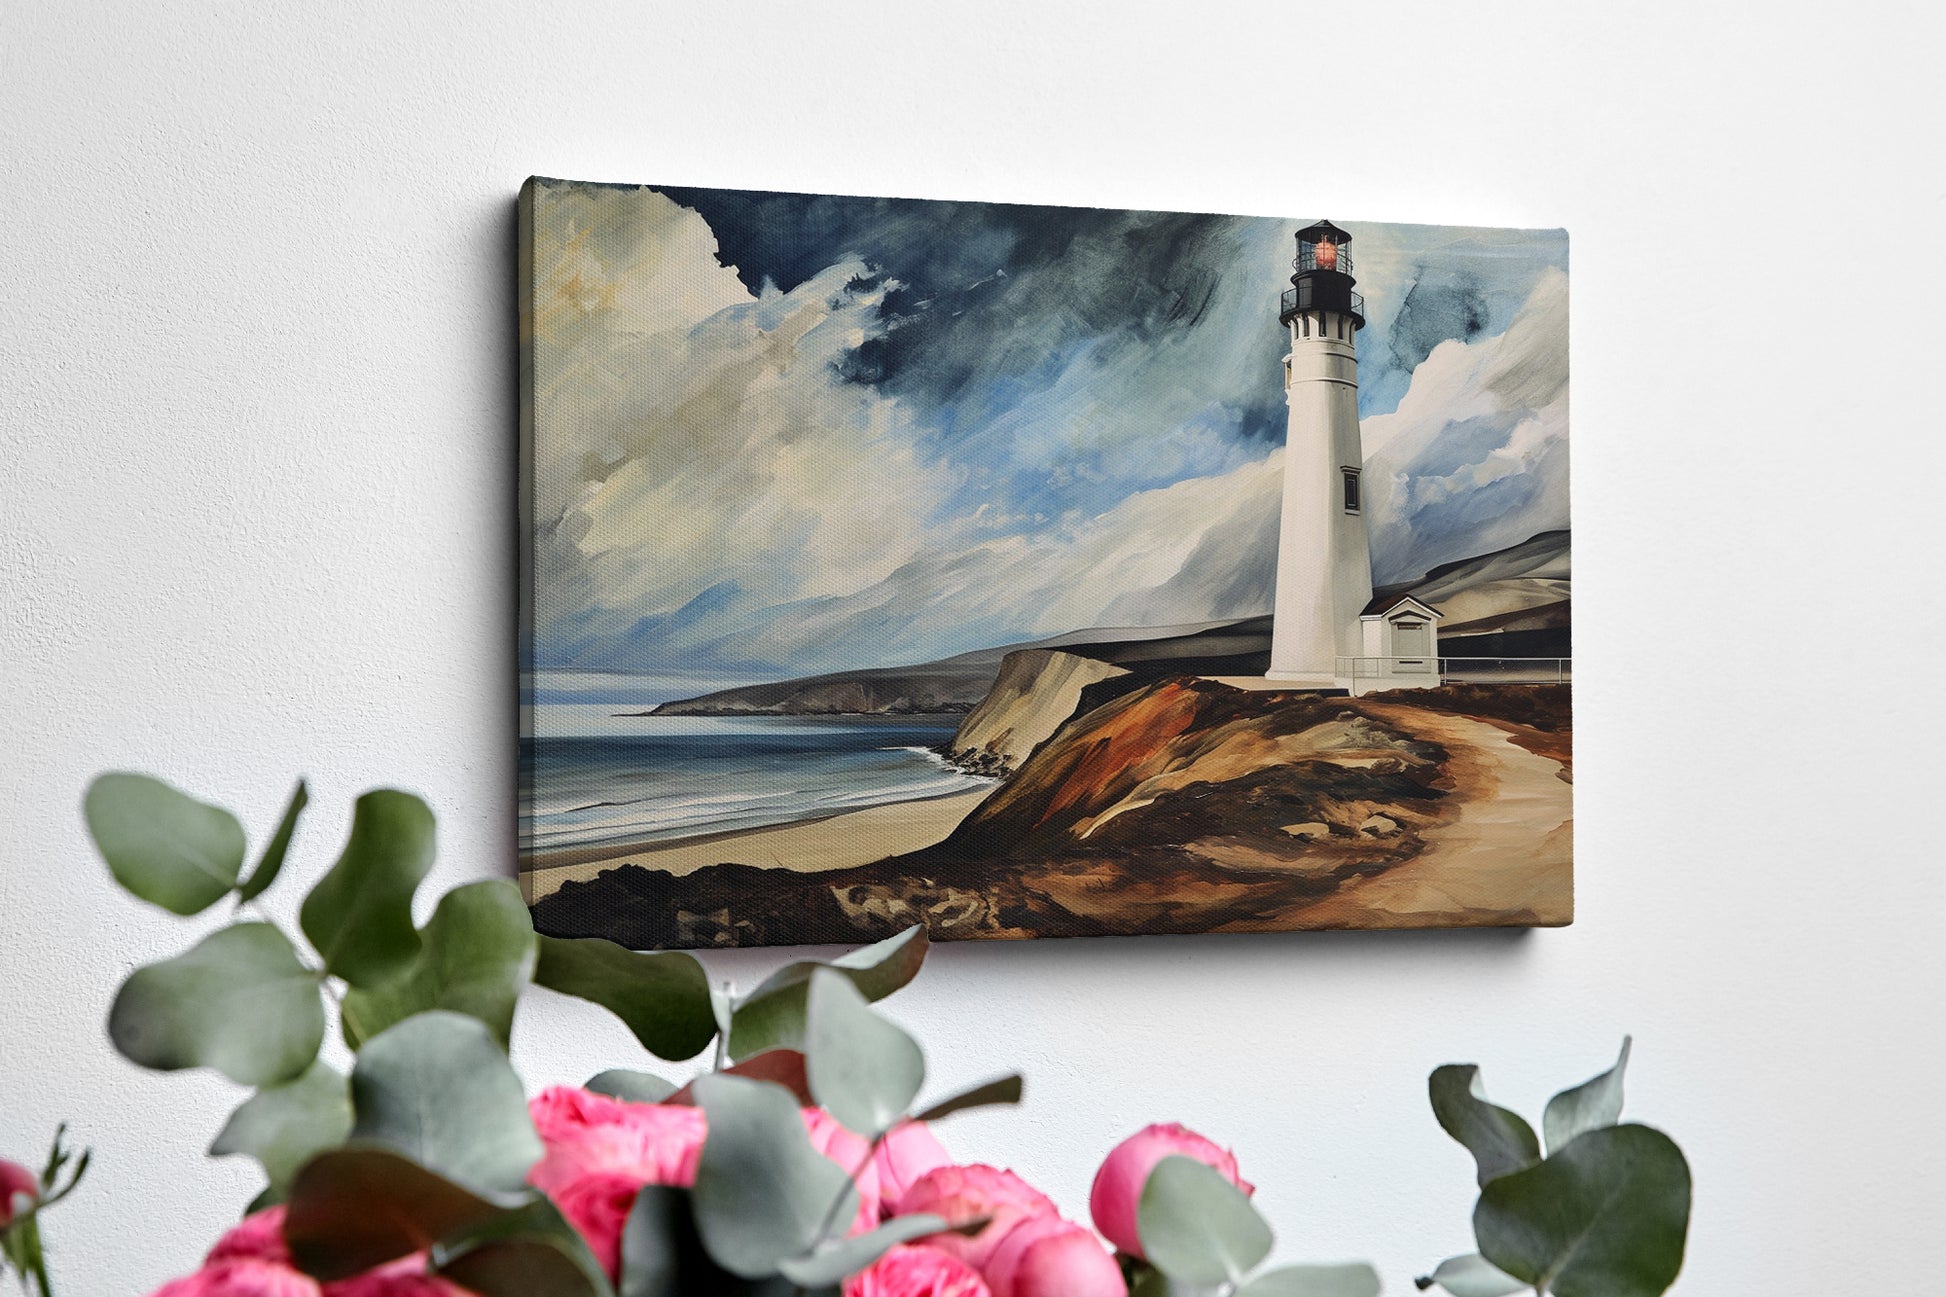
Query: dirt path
x,y
1507,857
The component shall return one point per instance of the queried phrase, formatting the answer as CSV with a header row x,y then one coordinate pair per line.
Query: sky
x,y
781,434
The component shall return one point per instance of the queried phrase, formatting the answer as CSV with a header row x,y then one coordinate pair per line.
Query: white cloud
x,y
692,434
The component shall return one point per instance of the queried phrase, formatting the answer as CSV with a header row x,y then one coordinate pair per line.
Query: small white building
x,y
1399,646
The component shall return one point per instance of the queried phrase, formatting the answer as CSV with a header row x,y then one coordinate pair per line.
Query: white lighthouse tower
x,y
1324,558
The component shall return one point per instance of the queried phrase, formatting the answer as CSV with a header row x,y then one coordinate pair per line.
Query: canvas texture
x,y
1032,571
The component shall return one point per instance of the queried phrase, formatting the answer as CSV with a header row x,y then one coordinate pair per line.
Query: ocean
x,y
599,778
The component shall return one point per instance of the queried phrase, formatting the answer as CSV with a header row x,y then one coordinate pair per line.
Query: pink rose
x,y
16,1181
586,1132
964,1194
907,1152
851,1153
597,1205
258,1237
916,1271
1117,1194
1045,1256
242,1277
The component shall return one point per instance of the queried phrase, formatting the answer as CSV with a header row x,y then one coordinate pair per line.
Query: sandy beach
x,y
836,842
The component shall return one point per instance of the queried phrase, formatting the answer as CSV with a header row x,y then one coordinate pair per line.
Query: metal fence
x,y
1409,671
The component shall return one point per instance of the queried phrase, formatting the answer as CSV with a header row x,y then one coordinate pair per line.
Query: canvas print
x,y
1032,571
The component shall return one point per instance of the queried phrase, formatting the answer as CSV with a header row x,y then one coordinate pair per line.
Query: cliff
x,y
1036,692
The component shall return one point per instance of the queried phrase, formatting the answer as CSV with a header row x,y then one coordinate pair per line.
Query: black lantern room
x,y
1323,280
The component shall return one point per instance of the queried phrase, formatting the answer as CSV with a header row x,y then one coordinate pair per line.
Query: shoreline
x,y
840,840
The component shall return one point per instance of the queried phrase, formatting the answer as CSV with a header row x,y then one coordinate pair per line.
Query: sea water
x,y
598,778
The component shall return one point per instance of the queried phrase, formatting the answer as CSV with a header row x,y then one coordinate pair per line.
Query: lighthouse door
x,y
1411,646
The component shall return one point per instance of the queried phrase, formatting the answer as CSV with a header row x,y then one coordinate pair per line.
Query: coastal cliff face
x,y
1035,694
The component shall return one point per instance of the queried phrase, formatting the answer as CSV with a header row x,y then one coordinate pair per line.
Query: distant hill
x,y
958,684
1512,602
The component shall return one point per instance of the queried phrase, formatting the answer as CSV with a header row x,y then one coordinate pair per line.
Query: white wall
x,y
255,494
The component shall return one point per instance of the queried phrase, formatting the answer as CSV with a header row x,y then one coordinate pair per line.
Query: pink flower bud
x,y
916,1271
1117,1195
16,1181
1044,1256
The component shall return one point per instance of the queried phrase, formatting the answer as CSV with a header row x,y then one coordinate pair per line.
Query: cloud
x,y
702,457
1475,458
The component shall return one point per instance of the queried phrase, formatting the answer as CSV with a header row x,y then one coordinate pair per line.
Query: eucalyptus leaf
x,y
271,863
635,1087
663,997
762,1192
785,1067
1006,1089
238,1001
773,1015
437,1089
663,1256
1501,1141
354,1208
1473,1276
1351,1280
1197,1227
284,1126
475,957
847,1256
529,1251
863,1070
1606,1216
1591,1105
162,844
359,916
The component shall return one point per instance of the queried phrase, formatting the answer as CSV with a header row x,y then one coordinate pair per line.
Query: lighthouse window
x,y
1351,490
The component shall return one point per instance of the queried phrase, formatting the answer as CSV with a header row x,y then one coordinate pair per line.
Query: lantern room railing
x,y
1334,257
1288,304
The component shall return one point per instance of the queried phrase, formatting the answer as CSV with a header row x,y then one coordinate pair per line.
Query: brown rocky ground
x,y
1186,805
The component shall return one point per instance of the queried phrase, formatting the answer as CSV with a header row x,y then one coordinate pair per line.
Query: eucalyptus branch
x,y
851,1182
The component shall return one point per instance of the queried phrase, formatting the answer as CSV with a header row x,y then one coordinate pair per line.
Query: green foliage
x,y
1604,1217
1501,1141
437,1089
845,1256
1591,1105
1006,1089
284,1126
239,1001
1472,1275
359,916
354,1208
863,1070
272,862
163,845
475,957
663,998
635,1087
663,1255
773,1016
1605,1214
1355,1280
1197,1227
527,1251
763,1193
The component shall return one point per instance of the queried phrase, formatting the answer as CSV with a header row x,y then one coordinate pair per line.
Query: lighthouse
x,y
1324,557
